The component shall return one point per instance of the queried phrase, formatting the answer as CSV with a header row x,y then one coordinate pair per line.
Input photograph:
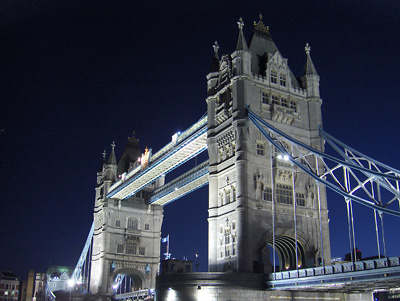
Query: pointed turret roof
x,y
309,67
215,61
103,161
112,160
241,41
261,45
130,154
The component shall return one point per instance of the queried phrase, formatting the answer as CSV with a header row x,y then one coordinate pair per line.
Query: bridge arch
x,y
284,247
133,280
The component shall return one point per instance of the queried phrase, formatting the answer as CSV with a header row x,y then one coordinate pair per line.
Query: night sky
x,y
77,75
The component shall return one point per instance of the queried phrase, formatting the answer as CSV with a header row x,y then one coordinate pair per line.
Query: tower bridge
x,y
268,226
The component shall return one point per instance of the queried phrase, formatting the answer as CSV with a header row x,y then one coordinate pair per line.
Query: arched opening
x,y
284,255
127,282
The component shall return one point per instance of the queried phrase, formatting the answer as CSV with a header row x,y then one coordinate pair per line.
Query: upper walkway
x,y
181,149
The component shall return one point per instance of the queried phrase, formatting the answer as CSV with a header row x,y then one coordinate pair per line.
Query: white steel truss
x,y
185,184
354,176
188,145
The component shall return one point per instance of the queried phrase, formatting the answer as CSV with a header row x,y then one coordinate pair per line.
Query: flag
x,y
165,239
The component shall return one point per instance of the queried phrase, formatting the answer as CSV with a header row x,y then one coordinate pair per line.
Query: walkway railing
x,y
184,184
382,269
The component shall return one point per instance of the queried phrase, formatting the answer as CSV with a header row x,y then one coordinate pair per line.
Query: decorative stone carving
x,y
284,175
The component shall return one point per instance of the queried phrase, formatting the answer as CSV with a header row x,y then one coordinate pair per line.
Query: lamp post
x,y
71,283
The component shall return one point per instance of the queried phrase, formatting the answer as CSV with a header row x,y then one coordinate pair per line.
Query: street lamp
x,y
71,283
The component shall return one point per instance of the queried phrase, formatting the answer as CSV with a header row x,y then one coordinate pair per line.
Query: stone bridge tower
x,y
126,238
260,207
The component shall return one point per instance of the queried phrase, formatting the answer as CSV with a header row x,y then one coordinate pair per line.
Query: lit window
x,y
293,105
300,200
284,102
132,223
264,97
273,77
147,227
130,248
120,248
267,194
117,223
283,80
284,194
275,100
142,250
260,149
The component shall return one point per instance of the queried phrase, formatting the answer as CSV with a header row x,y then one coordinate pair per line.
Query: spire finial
x,y
113,145
240,23
104,155
259,26
307,49
216,47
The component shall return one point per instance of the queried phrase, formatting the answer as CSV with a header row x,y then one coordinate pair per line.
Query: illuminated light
x,y
176,188
286,157
299,266
115,286
171,295
287,267
71,282
279,157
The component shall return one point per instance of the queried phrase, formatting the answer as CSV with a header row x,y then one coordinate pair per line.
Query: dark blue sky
x,y
76,75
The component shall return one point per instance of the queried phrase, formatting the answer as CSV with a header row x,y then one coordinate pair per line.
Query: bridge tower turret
x,y
264,214
126,238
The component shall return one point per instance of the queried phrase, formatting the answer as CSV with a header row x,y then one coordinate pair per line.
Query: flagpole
x,y
167,246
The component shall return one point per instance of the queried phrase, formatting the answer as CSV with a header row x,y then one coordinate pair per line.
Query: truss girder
x,y
185,149
76,275
186,183
350,169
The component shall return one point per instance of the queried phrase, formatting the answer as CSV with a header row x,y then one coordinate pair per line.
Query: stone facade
x,y
238,286
257,199
126,238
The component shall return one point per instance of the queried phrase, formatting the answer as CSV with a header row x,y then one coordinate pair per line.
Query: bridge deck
x,y
359,276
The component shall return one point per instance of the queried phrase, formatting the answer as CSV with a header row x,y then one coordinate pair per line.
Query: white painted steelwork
x,y
186,183
188,144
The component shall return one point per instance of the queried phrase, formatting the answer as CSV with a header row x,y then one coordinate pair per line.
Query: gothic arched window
x,y
133,223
